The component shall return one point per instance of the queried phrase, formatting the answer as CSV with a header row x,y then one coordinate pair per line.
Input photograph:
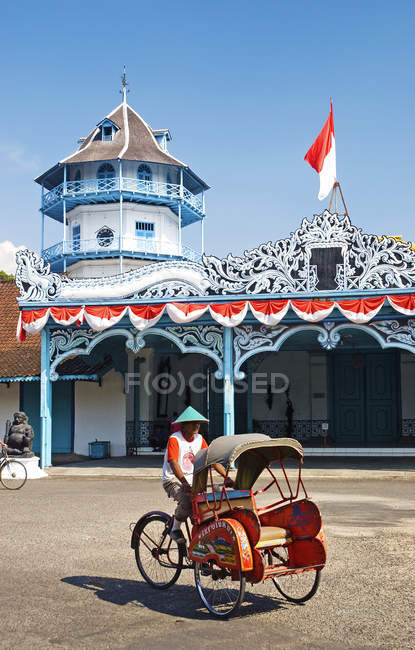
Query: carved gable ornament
x,y
348,260
325,254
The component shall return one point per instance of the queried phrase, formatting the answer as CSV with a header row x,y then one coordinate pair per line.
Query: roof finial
x,y
124,85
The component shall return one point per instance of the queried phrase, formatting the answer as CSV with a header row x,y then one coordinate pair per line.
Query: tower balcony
x,y
68,252
68,195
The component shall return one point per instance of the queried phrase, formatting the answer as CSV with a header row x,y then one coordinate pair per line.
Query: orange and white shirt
x,y
183,452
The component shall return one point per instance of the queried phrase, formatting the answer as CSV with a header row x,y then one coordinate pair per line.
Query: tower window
x,y
144,229
107,133
106,171
76,238
144,173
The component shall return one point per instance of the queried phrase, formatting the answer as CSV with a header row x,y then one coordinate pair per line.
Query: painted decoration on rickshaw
x,y
304,553
224,541
302,518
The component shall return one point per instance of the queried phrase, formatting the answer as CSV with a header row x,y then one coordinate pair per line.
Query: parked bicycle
x,y
13,474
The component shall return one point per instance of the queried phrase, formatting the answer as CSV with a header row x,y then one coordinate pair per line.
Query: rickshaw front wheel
x,y
159,558
298,587
219,593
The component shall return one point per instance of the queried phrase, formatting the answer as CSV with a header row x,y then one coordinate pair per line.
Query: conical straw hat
x,y
190,415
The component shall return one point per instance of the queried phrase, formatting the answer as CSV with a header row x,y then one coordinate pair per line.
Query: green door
x,y
365,389
348,384
382,384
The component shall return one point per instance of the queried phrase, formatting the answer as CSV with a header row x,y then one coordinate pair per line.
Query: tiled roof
x,y
16,359
23,359
133,141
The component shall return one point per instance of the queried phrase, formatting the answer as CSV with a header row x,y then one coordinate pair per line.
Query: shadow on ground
x,y
180,600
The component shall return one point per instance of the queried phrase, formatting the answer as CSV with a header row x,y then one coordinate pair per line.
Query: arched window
x,y
168,183
144,173
106,171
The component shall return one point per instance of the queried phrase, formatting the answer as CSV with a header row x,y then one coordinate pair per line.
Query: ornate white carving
x,y
369,262
34,279
397,332
169,289
66,340
205,336
250,340
190,339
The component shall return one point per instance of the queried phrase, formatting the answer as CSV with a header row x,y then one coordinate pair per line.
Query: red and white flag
x,y
322,156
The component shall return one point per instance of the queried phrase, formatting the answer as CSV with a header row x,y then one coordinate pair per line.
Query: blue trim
x,y
72,398
21,397
22,379
99,190
7,380
231,494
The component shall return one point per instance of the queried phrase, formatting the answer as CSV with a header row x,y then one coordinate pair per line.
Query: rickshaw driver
x,y
179,456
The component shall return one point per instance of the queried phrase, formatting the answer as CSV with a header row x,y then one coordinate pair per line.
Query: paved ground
x,y
314,467
78,587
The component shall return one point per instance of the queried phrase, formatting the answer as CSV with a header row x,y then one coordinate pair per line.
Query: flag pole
x,y
337,187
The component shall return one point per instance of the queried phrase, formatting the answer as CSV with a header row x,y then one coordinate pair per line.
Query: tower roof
x,y
134,140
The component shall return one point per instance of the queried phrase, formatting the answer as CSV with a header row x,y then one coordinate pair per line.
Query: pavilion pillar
x,y
228,383
45,402
249,416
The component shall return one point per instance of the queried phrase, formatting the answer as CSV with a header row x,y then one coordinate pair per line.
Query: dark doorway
x,y
365,394
326,260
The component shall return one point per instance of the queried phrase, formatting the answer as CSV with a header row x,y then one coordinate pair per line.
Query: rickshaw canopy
x,y
254,450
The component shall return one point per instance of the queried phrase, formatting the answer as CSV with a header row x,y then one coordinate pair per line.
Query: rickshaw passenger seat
x,y
237,499
273,536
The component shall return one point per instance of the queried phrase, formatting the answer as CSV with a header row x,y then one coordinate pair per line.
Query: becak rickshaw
x,y
237,535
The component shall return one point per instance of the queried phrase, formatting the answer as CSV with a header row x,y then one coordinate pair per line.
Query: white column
x,y
42,236
180,227
64,217
121,214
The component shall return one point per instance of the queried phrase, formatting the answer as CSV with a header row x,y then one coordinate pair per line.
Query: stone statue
x,y
19,436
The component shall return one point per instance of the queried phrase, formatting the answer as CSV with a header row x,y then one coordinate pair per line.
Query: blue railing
x,y
141,188
112,246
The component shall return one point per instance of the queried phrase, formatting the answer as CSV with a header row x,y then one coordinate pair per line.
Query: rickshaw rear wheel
x,y
221,595
298,587
159,558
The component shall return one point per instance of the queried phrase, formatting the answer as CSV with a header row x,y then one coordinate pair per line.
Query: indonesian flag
x,y
322,156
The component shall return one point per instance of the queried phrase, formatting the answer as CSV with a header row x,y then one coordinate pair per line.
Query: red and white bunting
x,y
101,318
312,310
31,322
269,312
145,316
181,312
362,310
67,315
230,314
403,304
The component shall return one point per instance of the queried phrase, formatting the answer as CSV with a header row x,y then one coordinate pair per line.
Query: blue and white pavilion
x,y
313,335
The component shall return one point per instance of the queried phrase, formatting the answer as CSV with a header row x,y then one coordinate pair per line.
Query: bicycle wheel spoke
x,y
158,557
218,592
13,474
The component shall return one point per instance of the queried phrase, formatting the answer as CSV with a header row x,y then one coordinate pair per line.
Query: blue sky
x,y
244,88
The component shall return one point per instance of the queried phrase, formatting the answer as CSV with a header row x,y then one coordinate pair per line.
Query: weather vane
x,y
124,82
